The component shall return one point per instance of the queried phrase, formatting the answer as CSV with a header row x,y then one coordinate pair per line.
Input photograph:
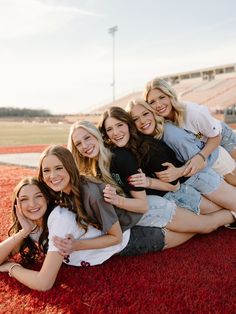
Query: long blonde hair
x,y
96,169
162,85
159,121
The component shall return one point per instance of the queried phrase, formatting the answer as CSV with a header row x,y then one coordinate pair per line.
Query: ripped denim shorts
x,y
160,212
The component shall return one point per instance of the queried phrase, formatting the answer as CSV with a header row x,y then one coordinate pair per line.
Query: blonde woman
x,y
147,123
195,118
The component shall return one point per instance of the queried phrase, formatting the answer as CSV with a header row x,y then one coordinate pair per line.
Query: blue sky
x,y
57,54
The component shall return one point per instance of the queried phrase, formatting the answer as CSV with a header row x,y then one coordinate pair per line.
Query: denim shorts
x,y
143,240
186,197
205,181
160,212
228,140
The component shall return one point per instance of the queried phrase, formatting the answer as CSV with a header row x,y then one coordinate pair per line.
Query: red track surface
x,y
197,277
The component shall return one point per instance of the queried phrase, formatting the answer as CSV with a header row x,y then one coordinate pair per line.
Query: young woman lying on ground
x,y
93,159
196,119
38,227
35,225
86,144
59,172
120,132
185,147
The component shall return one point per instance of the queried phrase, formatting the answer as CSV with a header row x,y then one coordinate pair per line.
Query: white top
x,y
199,121
61,221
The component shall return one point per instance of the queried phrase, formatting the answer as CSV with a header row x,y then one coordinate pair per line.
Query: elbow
x,y
44,286
119,239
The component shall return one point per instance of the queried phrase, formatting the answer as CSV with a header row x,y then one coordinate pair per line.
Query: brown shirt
x,y
102,212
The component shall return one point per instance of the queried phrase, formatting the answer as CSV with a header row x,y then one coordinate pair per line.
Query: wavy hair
x,y
136,139
159,121
29,250
73,200
163,86
98,169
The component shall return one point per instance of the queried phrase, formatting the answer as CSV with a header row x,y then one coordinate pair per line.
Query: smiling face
x,y
117,131
33,202
55,175
86,143
143,119
160,103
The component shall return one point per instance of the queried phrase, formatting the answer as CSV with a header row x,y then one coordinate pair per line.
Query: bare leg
x,y
231,178
186,221
224,196
173,239
207,206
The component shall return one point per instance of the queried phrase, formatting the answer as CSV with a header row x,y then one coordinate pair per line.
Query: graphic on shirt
x,y
117,178
199,135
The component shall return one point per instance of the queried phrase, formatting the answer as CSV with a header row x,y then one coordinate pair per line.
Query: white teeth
x,y
162,109
34,210
146,126
89,151
56,181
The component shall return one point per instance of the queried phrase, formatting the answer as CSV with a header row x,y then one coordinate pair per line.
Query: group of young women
x,y
146,179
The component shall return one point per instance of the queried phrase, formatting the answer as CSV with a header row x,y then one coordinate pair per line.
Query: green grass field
x,y
26,133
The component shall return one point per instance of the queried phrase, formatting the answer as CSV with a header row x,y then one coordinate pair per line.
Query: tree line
x,y
24,112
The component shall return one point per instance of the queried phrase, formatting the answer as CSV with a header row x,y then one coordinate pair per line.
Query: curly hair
x,y
29,250
163,86
73,200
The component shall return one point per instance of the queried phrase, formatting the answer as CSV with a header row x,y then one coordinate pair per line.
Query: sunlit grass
x,y
26,133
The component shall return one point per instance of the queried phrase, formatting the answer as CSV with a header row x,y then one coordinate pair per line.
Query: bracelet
x,y
149,182
203,157
11,268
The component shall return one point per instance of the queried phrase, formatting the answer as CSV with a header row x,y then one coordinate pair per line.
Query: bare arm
x,y
69,244
42,280
197,162
12,244
161,183
137,204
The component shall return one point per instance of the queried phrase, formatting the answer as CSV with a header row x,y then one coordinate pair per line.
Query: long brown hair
x,y
29,250
135,143
73,201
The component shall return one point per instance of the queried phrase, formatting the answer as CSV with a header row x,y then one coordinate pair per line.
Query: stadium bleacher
x,y
217,91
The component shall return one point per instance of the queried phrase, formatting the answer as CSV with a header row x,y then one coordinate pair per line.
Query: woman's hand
x,y
65,245
170,174
26,224
139,180
110,195
194,165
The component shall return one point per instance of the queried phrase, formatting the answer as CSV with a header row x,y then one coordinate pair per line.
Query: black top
x,y
123,165
158,154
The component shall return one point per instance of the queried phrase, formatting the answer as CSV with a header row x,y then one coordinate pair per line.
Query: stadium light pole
x,y
112,31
